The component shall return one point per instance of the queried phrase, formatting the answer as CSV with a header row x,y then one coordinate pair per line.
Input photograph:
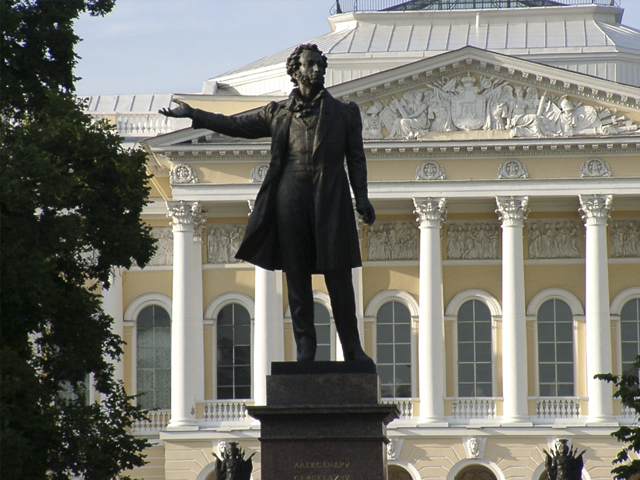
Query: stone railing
x,y
216,411
158,421
405,405
473,408
144,124
557,407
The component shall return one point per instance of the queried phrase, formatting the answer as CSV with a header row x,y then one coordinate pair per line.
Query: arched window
x,y
475,378
555,349
233,328
393,339
630,334
153,372
322,321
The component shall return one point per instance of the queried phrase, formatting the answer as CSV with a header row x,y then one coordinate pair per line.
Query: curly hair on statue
x,y
293,62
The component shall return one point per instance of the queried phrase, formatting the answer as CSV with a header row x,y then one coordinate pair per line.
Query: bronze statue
x,y
303,221
233,465
563,463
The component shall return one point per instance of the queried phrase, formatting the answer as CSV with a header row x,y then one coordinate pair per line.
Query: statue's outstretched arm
x,y
183,110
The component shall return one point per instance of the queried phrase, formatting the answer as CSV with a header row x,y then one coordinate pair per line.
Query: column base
x,y
432,422
182,427
516,422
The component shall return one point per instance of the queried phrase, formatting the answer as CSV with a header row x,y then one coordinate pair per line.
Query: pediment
x,y
464,95
477,94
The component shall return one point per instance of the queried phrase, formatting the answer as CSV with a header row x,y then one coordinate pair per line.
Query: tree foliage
x,y
628,391
70,207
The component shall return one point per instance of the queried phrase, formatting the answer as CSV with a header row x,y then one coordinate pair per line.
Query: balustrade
x,y
158,421
473,408
554,407
225,411
405,405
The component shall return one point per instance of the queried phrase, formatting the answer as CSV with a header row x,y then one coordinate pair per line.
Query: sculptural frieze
x,y
475,102
392,241
223,242
472,240
553,239
625,238
164,242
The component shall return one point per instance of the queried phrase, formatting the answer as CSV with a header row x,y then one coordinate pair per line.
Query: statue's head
x,y
307,65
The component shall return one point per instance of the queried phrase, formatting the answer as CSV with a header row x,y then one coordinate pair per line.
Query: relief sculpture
x,y
625,238
223,242
472,241
549,239
467,103
164,253
392,241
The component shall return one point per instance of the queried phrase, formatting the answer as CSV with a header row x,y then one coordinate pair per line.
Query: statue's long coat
x,y
338,136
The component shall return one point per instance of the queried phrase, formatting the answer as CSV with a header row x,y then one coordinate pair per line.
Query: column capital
x,y
512,210
596,209
431,211
186,216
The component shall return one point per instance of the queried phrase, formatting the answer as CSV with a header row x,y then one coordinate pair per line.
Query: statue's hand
x,y
365,209
181,111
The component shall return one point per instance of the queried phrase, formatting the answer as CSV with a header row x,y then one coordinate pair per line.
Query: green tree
x,y
71,198
628,391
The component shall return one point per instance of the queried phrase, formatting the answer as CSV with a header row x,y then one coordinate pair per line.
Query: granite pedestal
x,y
323,421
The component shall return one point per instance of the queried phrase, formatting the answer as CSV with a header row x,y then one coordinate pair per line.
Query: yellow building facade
x,y
501,274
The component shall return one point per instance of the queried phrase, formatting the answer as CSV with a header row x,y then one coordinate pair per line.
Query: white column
x,y
595,212
431,362
513,212
268,332
184,218
198,309
112,304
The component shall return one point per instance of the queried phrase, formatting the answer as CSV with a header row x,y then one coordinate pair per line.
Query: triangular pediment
x,y
476,94
468,94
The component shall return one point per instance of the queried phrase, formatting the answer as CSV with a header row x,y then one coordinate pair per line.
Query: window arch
x,y
232,316
555,349
475,351
153,357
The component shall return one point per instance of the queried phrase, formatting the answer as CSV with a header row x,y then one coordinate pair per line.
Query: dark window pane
x,y
546,332
225,393
564,352
384,333
403,391
225,317
465,352
320,314
403,333
466,390
563,312
547,390
564,332
403,354
145,317
465,313
483,352
385,313
401,313
387,391
243,355
465,332
629,331
385,354
225,355
403,374
565,390
630,310
547,373
323,353
225,335
565,373
242,335
162,318
465,373
483,372
241,315
243,392
547,352
386,374
225,376
242,376
323,334
482,312
629,352
483,390
483,332
545,312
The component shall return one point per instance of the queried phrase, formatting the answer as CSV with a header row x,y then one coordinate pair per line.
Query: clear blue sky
x,y
170,46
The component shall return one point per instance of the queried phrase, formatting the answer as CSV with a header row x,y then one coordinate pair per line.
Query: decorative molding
x,y
392,241
555,293
596,209
185,216
164,242
595,167
512,211
431,211
430,171
549,239
474,446
625,238
182,173
472,240
259,173
223,242
512,168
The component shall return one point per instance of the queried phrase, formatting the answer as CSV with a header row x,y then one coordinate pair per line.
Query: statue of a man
x,y
233,465
564,463
303,220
